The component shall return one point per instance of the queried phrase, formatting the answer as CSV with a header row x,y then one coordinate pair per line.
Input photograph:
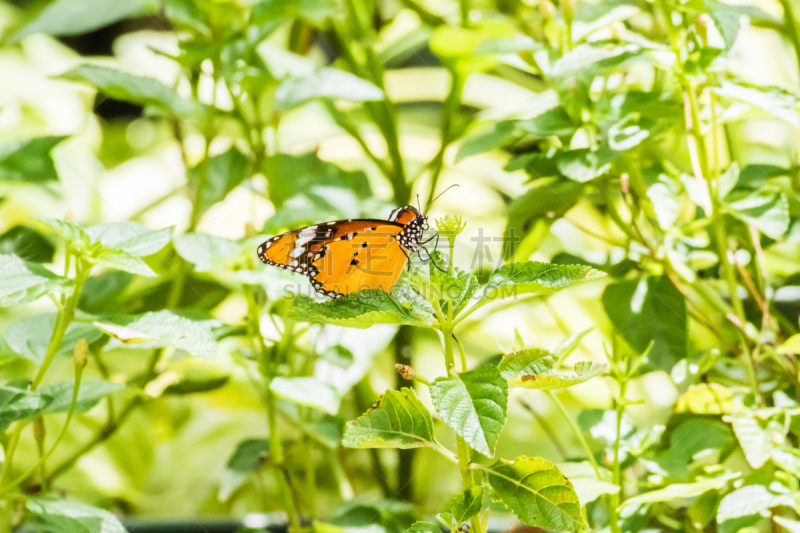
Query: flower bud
x,y
404,370
81,353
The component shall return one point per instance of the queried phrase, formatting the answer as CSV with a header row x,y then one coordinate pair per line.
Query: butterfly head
x,y
415,225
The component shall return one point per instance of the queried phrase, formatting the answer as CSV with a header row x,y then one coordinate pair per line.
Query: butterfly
x,y
346,256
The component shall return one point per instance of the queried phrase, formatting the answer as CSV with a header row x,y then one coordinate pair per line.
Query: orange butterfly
x,y
347,256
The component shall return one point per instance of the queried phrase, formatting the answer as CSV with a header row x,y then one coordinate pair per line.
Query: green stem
x,y
276,457
791,28
42,460
451,106
577,431
464,9
614,499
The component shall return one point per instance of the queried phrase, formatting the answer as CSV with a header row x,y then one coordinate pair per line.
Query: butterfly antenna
x,y
441,193
419,206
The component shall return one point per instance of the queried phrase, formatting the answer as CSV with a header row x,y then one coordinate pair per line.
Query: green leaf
x,y
507,45
545,202
535,369
423,527
538,493
646,310
365,308
328,83
777,102
134,89
308,391
554,122
766,209
568,345
161,328
118,260
788,459
207,252
708,399
216,176
17,404
89,394
22,282
473,404
535,278
311,10
592,16
586,482
531,361
290,175
493,136
324,428
248,455
75,17
792,526
67,230
29,161
752,499
397,420
756,442
665,195
130,237
385,516
29,336
467,504
585,164
64,516
683,490
584,60
27,244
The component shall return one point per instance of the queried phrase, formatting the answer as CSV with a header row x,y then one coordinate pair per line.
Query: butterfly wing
x,y
372,259
340,257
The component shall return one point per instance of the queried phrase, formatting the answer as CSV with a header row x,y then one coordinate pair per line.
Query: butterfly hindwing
x,y
370,259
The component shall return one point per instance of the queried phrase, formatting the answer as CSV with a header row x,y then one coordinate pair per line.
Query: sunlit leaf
x,y
312,10
17,404
708,399
307,391
397,420
29,161
683,490
467,504
74,17
538,493
583,60
64,516
130,237
134,89
473,404
22,282
765,209
162,328
423,527
752,499
649,310
90,393
328,83
533,277
365,308
212,179
777,102
124,261
756,442
586,482
30,335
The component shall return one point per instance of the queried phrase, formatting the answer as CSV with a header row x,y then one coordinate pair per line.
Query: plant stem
x,y
614,499
451,106
63,319
276,458
577,431
791,28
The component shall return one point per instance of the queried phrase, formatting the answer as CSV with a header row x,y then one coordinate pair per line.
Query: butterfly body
x,y
345,256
